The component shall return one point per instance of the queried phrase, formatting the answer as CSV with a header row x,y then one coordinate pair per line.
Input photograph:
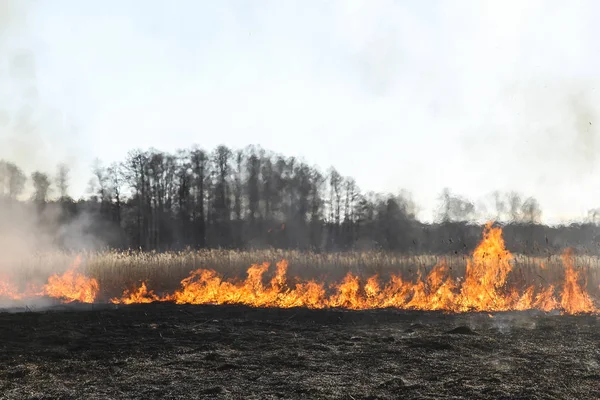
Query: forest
x,y
252,198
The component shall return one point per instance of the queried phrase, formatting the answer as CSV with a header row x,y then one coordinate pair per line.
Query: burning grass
x,y
491,279
70,286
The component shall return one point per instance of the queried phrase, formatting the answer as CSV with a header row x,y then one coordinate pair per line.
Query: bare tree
x,y
594,216
12,180
253,167
41,187
500,205
531,212
221,201
514,206
100,181
62,180
335,205
455,208
200,176
115,178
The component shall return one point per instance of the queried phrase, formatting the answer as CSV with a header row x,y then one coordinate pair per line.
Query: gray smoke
x,y
34,137
33,134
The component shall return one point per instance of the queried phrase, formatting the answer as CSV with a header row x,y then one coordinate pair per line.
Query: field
x,y
346,325
163,350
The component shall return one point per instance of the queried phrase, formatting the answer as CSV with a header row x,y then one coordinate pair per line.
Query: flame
x,y
545,300
487,286
574,297
72,286
486,274
140,295
9,290
206,287
68,287
437,292
483,288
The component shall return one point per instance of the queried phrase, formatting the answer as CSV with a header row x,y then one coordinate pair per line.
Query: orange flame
x,y
486,274
484,288
72,286
574,298
68,287
140,295
9,290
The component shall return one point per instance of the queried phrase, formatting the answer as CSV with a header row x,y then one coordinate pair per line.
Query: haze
x,y
476,96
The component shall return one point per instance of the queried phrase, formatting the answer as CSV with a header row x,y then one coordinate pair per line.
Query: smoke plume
x,y
33,137
33,134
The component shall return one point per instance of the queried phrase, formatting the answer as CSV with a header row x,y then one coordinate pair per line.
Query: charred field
x,y
232,351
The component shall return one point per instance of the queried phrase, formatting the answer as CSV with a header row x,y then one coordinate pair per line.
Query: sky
x,y
475,95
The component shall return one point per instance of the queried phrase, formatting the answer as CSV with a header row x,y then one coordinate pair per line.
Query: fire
x,y
436,292
206,287
72,286
486,274
488,285
483,288
68,287
9,290
140,295
574,298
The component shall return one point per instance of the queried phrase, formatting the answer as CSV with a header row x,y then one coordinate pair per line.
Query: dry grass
x,y
116,271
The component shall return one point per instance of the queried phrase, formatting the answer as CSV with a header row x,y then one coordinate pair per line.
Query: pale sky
x,y
419,95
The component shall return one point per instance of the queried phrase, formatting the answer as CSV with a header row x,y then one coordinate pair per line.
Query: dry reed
x,y
117,271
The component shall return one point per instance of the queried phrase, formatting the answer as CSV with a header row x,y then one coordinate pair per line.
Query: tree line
x,y
254,198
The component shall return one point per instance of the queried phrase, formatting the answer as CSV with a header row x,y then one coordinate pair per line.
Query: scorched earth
x,y
164,350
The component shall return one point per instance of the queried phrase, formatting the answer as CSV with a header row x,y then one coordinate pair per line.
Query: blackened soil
x,y
169,351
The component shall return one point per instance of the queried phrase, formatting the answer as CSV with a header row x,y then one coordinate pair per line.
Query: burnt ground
x,y
170,351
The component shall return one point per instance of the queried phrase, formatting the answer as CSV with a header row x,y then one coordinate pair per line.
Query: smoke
x,y
541,138
10,15
33,134
35,137
562,140
584,123
36,243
